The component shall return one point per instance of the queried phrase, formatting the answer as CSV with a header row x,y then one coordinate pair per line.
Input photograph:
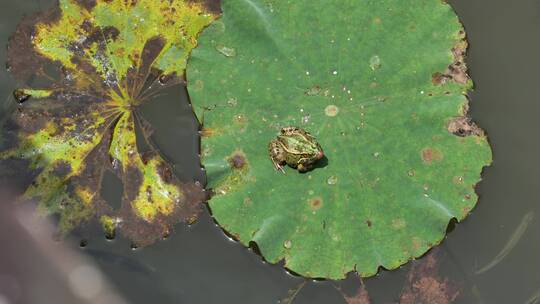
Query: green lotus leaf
x,y
381,85
84,68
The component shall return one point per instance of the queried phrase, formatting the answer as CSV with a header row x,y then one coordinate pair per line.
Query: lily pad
x,y
84,68
381,85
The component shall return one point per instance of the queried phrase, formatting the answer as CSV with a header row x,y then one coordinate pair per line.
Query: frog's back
x,y
293,144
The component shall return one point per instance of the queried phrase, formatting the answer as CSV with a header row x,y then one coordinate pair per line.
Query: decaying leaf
x,y
402,157
83,68
425,286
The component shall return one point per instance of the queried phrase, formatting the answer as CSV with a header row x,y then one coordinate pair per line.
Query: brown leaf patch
x,y
237,160
316,203
457,70
430,154
464,126
22,59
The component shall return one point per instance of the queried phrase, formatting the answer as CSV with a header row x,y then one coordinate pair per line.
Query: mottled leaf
x,y
381,85
83,68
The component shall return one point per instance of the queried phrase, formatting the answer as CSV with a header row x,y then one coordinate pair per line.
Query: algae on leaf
x,y
84,67
381,85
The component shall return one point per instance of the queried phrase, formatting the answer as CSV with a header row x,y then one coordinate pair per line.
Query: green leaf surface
x,y
84,68
381,86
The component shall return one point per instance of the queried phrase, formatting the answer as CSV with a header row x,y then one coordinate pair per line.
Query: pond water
x,y
200,264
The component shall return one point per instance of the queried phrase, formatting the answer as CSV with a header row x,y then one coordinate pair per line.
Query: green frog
x,y
296,148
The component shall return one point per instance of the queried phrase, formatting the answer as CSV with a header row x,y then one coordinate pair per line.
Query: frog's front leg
x,y
277,154
303,165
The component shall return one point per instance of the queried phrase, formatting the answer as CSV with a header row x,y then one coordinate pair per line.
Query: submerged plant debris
x,y
382,86
425,286
292,294
83,68
361,296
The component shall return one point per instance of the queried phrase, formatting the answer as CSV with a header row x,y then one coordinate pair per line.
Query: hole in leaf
x,y
112,190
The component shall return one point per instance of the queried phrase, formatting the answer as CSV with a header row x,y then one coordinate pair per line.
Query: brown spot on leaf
x,y
439,78
464,126
237,160
315,203
429,155
369,223
208,132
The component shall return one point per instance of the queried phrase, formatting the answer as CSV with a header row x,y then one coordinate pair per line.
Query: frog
x,y
295,147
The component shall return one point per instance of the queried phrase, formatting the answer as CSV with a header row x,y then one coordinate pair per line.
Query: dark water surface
x,y
199,264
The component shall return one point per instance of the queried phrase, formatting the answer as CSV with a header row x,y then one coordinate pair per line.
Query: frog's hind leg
x,y
277,155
